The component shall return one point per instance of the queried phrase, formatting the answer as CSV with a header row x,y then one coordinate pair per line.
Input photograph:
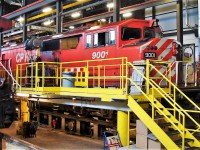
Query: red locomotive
x,y
135,39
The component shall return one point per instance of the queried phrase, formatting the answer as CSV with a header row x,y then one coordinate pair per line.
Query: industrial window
x,y
112,37
101,39
69,42
130,33
148,33
89,41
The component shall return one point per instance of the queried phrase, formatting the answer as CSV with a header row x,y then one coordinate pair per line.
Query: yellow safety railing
x,y
87,74
176,106
181,118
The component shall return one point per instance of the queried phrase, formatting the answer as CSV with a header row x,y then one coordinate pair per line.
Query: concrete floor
x,y
56,140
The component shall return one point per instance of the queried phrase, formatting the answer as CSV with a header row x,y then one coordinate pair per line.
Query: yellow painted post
x,y
122,127
36,77
147,76
25,116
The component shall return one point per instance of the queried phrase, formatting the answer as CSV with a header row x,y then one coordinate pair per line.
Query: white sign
x,y
113,142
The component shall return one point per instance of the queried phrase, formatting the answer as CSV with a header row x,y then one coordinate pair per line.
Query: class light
x,y
20,19
48,22
71,27
76,15
47,9
110,5
126,15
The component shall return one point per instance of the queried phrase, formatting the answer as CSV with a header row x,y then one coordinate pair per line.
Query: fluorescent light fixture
x,y
103,20
47,9
76,15
20,19
110,5
57,36
71,27
126,15
22,94
13,44
48,22
94,27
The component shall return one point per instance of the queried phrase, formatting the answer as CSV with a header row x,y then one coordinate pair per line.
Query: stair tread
x,y
193,148
179,141
143,102
166,124
169,133
160,116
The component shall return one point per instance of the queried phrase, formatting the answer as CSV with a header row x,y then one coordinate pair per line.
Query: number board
x,y
149,55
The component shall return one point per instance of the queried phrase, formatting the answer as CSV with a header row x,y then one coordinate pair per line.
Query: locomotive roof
x,y
84,29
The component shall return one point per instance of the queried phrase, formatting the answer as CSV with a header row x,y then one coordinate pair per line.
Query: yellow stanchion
x,y
122,127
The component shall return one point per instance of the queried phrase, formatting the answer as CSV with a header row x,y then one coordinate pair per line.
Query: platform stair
x,y
173,118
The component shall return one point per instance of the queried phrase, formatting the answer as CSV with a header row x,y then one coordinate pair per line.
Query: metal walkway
x,y
118,79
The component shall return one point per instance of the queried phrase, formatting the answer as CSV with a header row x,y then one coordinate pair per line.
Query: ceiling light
x,y
110,5
20,19
47,9
103,20
126,15
57,36
48,22
71,27
76,15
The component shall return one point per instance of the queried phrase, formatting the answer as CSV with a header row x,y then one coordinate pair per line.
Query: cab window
x,y
101,39
88,41
130,33
148,33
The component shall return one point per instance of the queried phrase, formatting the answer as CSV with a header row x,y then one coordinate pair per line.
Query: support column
x,y
1,42
1,8
1,141
19,114
25,116
38,117
122,127
154,12
58,16
24,25
179,20
50,121
116,10
63,123
95,131
78,127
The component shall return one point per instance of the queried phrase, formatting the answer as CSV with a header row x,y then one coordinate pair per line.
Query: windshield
x,y
130,33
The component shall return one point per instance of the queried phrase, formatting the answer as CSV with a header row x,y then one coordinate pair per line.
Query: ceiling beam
x,y
28,8
123,10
